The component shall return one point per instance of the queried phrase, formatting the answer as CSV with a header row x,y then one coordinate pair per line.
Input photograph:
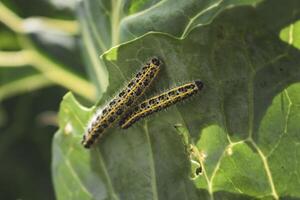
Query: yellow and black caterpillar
x,y
160,102
107,115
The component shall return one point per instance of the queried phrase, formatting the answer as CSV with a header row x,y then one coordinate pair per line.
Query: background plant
x,y
245,121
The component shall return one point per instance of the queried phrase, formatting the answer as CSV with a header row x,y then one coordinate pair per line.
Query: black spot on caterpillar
x,y
105,117
160,102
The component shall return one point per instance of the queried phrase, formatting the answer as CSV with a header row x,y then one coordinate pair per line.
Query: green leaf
x,y
96,38
245,121
105,24
291,34
185,16
124,167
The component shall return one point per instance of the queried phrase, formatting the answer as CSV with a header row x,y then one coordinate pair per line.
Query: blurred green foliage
x,y
48,47
39,61
25,142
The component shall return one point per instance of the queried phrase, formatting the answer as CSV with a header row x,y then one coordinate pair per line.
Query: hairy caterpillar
x,y
160,102
106,116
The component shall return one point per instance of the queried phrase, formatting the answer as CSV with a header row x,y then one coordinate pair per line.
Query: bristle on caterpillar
x,y
160,102
115,108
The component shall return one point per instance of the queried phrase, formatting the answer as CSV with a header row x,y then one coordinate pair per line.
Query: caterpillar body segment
x,y
111,112
159,102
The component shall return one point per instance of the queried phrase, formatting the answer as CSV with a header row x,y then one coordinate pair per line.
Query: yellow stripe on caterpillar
x,y
106,116
160,102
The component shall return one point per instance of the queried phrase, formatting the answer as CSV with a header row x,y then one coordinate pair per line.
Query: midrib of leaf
x,y
108,179
191,21
91,26
76,117
267,169
286,122
146,10
120,71
152,165
210,182
74,174
288,111
250,126
250,95
94,58
291,33
116,6
217,167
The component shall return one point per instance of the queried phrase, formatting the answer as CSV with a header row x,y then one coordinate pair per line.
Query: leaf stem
x,y
25,84
30,55
14,59
19,25
57,73
115,21
10,19
41,23
51,70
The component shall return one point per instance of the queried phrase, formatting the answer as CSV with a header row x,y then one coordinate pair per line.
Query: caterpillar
x,y
106,116
160,102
